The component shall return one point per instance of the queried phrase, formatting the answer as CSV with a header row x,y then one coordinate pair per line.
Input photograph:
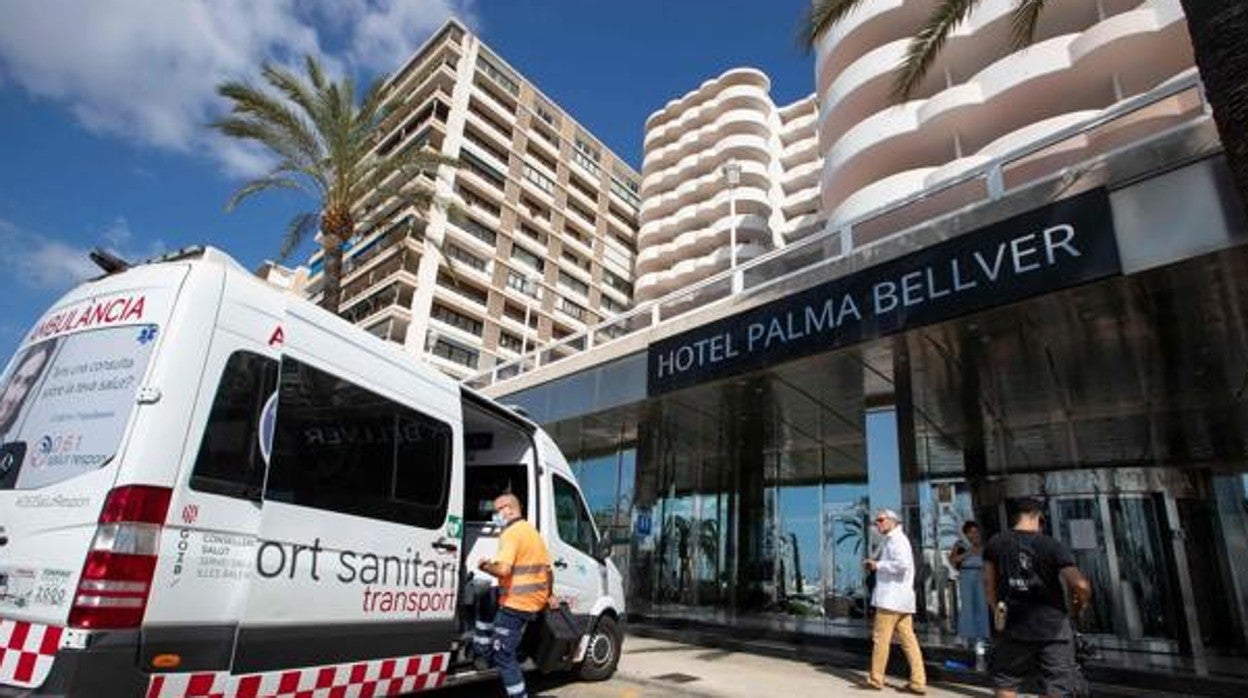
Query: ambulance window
x,y
65,403
575,527
340,447
231,460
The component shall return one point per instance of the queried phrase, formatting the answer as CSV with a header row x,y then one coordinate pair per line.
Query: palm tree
x,y
1218,29
324,141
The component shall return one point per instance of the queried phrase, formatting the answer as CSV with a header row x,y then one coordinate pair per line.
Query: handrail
x,y
652,312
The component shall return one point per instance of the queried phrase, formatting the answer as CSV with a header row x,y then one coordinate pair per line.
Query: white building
x,y
724,162
980,100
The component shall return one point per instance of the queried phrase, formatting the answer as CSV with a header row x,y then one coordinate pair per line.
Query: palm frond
x,y
298,230
316,75
291,86
926,44
289,134
821,16
1024,21
262,184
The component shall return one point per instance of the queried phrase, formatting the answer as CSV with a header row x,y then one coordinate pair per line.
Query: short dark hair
x,y
1029,506
969,525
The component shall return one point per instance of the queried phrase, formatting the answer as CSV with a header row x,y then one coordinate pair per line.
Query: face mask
x,y
498,520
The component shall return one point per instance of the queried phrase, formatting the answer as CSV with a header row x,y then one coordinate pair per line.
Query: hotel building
x,y
1032,282
723,165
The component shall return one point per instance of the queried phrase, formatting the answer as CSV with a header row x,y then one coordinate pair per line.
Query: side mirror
x,y
602,549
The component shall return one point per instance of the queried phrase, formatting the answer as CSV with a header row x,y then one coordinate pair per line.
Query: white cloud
x,y
50,263
146,70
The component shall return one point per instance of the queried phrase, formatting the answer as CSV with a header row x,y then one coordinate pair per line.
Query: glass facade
x,y
1121,403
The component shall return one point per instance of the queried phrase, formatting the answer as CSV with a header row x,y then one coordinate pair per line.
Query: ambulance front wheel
x,y
602,653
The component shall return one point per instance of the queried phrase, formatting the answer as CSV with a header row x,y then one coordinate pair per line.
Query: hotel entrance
x,y
1121,402
1144,538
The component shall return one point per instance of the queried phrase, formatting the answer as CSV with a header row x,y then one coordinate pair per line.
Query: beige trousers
x,y
886,622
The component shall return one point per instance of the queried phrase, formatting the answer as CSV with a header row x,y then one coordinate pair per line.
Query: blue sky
x,y
103,105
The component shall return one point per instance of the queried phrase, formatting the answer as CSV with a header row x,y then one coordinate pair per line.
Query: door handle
x,y
445,545
561,564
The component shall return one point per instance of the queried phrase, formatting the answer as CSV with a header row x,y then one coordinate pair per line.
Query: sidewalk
x,y
706,672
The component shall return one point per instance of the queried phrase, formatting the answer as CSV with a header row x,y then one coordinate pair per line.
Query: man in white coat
x,y
894,604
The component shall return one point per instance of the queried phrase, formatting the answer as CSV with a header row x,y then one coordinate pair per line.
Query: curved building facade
x,y
691,209
980,100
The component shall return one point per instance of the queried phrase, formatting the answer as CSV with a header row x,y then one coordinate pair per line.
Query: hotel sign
x,y
1067,243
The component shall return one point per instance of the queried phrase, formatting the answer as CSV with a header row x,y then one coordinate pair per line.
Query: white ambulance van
x,y
209,487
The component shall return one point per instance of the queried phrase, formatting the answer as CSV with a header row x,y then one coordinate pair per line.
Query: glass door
x,y
1080,523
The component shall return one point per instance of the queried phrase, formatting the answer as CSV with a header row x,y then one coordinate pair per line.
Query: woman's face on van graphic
x,y
19,386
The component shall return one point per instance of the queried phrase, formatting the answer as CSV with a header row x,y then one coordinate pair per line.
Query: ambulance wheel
x,y
602,653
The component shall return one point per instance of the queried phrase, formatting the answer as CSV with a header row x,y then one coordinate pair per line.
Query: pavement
x,y
676,668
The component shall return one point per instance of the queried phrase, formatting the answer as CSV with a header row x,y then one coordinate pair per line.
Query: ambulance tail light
x,y
117,575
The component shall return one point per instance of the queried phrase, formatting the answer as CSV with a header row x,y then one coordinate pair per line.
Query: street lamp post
x,y
732,178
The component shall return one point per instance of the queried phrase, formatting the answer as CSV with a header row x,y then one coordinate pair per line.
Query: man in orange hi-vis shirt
x,y
522,567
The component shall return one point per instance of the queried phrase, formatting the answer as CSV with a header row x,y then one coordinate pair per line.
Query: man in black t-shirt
x,y
1024,570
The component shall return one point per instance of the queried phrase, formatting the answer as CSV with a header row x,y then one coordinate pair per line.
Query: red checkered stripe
x,y
371,679
26,652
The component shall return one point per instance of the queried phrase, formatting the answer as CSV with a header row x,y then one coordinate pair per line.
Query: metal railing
x,y
834,243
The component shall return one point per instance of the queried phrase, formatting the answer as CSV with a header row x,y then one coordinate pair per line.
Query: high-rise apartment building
x,y
981,99
545,245
724,165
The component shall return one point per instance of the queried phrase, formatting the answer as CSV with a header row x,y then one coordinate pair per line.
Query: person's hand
x,y
870,565
553,602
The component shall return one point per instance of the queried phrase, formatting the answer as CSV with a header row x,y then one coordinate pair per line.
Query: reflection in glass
x,y
1074,513
1143,585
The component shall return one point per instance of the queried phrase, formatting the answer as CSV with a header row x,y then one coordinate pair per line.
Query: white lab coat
x,y
894,576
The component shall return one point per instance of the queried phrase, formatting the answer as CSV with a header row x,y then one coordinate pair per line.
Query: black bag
x,y
558,639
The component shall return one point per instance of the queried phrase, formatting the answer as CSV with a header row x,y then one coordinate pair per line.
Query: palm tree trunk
x,y
331,287
1219,31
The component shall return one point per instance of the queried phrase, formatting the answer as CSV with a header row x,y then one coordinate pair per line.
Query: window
x,y
510,341
584,188
482,169
519,282
546,114
573,283
475,200
457,319
340,447
67,401
522,255
617,283
611,306
454,351
231,461
576,260
572,309
573,521
626,187
591,151
456,285
581,211
535,235
542,181
584,161
478,231
499,76
465,257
